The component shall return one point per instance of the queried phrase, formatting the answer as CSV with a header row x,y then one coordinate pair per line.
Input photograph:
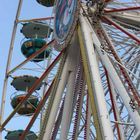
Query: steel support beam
x,y
68,104
38,109
68,68
115,79
32,89
31,57
121,9
34,19
117,110
8,65
88,119
113,105
132,36
107,133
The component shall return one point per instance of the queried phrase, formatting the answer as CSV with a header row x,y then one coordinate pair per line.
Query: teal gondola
x,y
28,107
15,135
31,46
47,3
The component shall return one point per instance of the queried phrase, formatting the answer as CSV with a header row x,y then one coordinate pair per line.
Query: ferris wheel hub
x,y
95,10
65,22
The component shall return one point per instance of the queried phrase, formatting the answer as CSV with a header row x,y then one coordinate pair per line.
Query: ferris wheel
x,y
79,77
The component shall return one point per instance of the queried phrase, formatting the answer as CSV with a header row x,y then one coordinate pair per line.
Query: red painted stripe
x,y
121,9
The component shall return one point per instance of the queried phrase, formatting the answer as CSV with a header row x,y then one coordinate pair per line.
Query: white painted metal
x,y
88,121
68,67
124,29
137,136
44,89
3,100
119,85
103,115
127,19
113,75
56,103
68,104
81,90
117,110
67,111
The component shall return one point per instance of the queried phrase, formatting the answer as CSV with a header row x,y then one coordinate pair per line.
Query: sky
x,y
30,9
7,14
